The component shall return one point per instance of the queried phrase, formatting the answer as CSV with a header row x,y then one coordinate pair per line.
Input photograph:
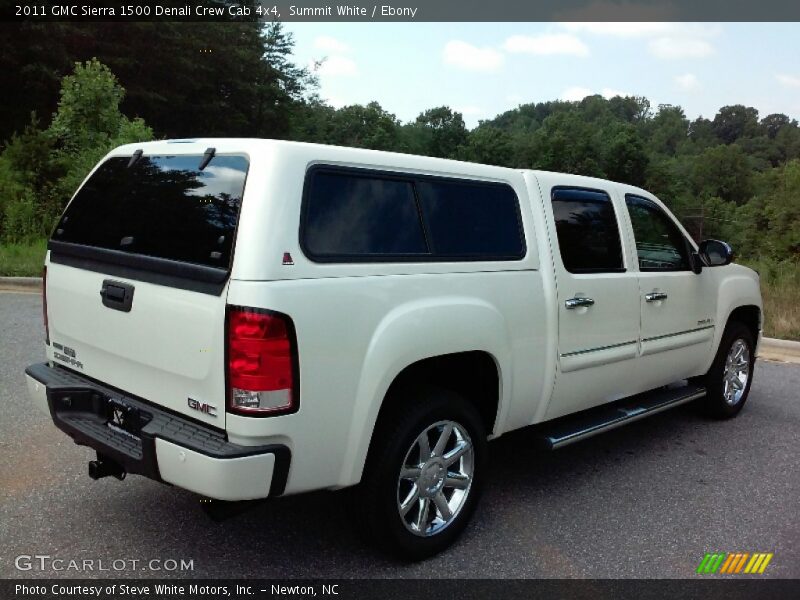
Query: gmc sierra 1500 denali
x,y
250,318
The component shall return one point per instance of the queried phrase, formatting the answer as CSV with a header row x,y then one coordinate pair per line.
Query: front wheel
x,y
729,379
424,473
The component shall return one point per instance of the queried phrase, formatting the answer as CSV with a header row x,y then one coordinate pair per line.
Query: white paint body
x,y
359,325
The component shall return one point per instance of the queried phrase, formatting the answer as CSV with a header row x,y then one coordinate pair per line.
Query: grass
x,y
780,288
780,284
22,260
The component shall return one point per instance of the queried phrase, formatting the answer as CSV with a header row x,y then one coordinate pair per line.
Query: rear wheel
x,y
424,473
731,374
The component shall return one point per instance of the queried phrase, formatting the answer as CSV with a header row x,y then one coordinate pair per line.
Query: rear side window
x,y
471,219
358,215
588,235
361,216
162,207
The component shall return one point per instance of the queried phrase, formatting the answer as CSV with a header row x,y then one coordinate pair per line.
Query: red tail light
x,y
262,362
44,306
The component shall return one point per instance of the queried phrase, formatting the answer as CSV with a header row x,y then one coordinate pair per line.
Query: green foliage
x,y
184,79
22,260
780,280
40,169
438,132
731,175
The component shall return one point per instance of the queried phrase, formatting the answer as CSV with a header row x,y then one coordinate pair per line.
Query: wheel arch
x,y
452,343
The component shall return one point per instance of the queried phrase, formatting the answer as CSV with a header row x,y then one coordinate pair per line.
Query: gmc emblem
x,y
202,407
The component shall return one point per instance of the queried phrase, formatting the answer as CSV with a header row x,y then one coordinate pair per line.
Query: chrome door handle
x,y
655,296
578,302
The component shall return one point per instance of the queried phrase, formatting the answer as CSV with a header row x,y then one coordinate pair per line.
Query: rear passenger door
x,y
598,297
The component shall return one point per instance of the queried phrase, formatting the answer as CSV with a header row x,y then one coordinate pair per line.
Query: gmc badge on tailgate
x,y
202,407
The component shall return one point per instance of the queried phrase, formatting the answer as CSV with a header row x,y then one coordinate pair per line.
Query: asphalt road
x,y
646,500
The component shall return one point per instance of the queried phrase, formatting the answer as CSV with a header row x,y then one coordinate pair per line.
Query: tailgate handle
x,y
117,295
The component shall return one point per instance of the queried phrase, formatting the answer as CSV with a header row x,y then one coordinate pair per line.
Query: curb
x,y
782,350
29,284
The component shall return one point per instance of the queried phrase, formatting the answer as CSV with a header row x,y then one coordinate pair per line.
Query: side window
x,y
660,245
588,235
357,215
471,220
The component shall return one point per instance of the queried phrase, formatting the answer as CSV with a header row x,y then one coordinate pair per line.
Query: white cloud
x,y
330,44
471,58
336,66
666,40
687,81
611,92
788,80
514,98
469,111
671,48
575,93
547,44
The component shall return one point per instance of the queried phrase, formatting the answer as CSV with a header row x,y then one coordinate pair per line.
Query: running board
x,y
572,428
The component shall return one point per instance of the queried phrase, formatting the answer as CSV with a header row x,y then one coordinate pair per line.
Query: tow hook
x,y
103,467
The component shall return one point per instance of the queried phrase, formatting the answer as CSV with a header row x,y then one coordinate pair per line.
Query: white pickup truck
x,y
248,318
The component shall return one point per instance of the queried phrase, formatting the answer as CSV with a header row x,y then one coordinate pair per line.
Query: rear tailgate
x,y
137,278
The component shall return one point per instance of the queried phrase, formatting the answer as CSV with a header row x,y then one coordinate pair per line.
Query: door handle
x,y
655,296
578,302
117,295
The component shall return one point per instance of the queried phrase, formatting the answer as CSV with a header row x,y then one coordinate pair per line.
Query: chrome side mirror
x,y
715,253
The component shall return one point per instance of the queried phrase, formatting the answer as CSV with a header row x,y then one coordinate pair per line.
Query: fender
x,y
738,286
412,332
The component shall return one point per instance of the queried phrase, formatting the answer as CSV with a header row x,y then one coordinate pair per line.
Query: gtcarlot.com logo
x,y
734,563
45,562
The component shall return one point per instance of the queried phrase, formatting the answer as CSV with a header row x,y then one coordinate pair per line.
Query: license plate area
x,y
125,417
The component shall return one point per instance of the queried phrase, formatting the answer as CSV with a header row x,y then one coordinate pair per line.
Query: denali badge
x,y
69,355
203,407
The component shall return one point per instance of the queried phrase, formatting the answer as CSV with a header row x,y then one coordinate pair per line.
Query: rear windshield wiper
x,y
207,156
135,158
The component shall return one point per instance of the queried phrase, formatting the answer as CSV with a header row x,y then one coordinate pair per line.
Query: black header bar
x,y
402,10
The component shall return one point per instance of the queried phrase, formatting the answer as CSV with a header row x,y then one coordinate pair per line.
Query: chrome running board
x,y
572,428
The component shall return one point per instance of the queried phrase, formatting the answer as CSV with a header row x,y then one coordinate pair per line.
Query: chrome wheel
x,y
736,372
435,478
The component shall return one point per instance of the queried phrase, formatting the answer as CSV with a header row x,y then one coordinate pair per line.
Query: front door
x,y
676,305
598,298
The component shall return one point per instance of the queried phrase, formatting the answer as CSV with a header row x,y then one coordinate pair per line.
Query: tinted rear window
x,y
352,215
163,207
588,236
466,219
360,215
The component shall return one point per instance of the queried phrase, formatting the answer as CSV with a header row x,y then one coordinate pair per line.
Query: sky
x,y
483,69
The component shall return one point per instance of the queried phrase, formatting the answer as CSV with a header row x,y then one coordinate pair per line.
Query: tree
x,y
624,157
488,145
184,79
40,169
724,172
364,127
734,122
437,132
668,129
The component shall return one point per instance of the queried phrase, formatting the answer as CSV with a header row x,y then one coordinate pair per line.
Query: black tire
x,y
715,403
377,499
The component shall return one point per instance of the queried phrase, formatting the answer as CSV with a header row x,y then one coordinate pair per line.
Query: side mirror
x,y
715,253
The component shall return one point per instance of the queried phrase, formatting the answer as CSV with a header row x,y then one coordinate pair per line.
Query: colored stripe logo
x,y
733,563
